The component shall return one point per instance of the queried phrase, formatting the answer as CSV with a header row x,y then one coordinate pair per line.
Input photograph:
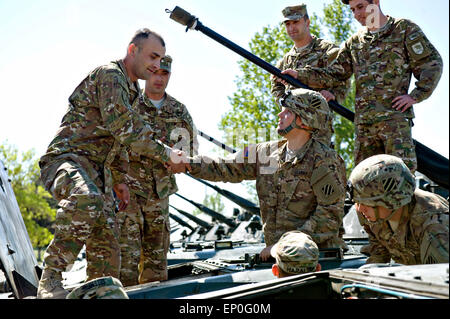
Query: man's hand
x,y
123,194
328,95
178,162
290,72
403,102
265,253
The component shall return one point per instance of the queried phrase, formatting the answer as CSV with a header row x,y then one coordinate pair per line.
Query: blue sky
x,y
48,47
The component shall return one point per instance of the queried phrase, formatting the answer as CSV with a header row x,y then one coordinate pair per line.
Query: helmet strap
x,y
293,125
379,220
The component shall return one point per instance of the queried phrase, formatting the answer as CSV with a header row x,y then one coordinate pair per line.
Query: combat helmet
x,y
310,106
382,180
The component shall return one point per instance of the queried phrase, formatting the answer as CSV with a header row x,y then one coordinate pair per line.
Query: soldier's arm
x,y
337,72
379,254
341,89
277,88
434,243
122,122
329,189
119,163
425,61
234,168
193,141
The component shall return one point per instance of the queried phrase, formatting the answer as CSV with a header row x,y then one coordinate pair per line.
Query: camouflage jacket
x,y
421,237
319,53
100,113
305,193
145,176
383,63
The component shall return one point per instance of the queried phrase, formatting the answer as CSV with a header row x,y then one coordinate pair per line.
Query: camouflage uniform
x,y
383,63
75,171
305,193
421,236
145,223
318,53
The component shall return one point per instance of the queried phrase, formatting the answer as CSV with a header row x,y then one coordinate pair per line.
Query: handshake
x,y
178,162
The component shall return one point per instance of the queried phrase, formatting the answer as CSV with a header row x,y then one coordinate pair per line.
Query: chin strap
x,y
379,220
293,125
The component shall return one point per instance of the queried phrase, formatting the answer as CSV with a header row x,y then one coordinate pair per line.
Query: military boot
x,y
50,285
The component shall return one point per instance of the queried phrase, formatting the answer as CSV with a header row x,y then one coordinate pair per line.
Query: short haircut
x,y
286,274
143,34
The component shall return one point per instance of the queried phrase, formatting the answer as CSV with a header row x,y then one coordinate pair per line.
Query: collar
x,y
134,86
306,48
149,103
383,31
299,154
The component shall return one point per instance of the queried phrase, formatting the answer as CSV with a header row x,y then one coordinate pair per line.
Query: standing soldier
x,y
307,50
404,223
74,171
145,227
382,56
300,181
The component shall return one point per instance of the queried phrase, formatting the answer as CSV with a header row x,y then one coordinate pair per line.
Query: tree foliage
x,y
35,203
253,116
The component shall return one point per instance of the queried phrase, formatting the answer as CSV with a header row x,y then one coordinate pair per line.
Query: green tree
x,y
253,116
36,204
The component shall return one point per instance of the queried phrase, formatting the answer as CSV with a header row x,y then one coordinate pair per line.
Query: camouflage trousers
x,y
85,217
144,240
391,137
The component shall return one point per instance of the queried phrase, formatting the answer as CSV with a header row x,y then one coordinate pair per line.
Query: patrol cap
x,y
296,253
166,63
100,288
294,13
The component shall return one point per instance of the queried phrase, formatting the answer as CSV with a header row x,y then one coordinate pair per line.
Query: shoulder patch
x,y
416,44
326,186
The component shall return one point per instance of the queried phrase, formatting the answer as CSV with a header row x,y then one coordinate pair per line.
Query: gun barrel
x,y
180,221
216,142
210,212
430,163
196,220
244,203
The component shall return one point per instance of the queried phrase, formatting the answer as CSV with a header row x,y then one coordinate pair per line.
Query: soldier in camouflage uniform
x,y
404,223
382,56
295,253
74,169
307,50
299,180
145,226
